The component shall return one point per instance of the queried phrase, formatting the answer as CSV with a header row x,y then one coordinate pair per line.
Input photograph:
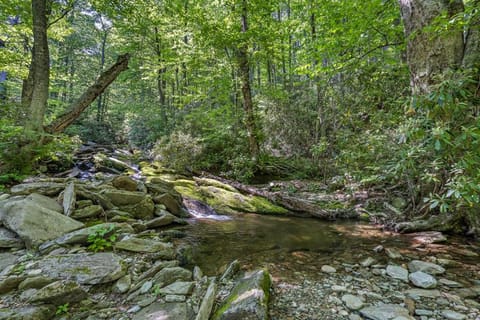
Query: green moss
x,y
215,183
263,205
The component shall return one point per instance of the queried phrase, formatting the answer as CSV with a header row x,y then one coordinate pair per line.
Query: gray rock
x,y
31,219
146,286
44,188
9,239
450,283
164,220
84,268
88,212
414,293
353,302
367,262
41,312
178,288
248,299
69,198
385,312
207,302
452,315
169,202
231,271
422,280
123,284
141,210
159,310
397,272
328,269
392,253
36,282
60,292
167,276
122,197
146,245
9,283
174,298
427,267
7,259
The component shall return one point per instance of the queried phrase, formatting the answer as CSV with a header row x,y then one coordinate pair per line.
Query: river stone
x,y
124,183
9,239
353,302
60,292
392,253
397,272
414,293
367,262
207,302
450,283
248,299
40,312
328,269
427,267
178,288
159,310
69,198
9,283
385,312
452,315
123,284
146,245
84,268
169,202
36,282
122,197
164,220
88,212
422,280
167,276
44,188
34,222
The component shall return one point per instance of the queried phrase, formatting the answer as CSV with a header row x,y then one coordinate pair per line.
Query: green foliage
x,y
102,238
62,309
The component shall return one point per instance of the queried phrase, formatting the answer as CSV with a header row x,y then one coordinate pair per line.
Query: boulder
x,y
9,239
178,288
84,268
124,183
146,245
44,188
59,292
167,276
164,220
123,284
88,212
248,299
422,280
34,221
353,302
169,202
122,197
37,282
397,272
141,210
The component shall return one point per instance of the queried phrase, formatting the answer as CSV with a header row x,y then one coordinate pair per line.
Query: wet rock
x,y
34,222
167,276
123,284
452,315
159,310
84,268
385,312
397,272
9,239
248,299
427,267
88,212
41,312
60,292
328,269
207,302
169,202
146,245
124,183
178,288
44,188
164,220
231,271
353,302
69,199
37,282
422,280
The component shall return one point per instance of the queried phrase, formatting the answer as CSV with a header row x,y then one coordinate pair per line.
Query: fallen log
x,y
297,206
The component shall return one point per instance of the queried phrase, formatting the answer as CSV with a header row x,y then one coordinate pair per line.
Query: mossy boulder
x,y
248,299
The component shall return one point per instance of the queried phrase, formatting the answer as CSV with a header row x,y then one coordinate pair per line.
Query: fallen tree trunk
x,y
296,206
103,81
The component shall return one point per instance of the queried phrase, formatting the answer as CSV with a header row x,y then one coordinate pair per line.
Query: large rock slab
x,y
167,276
207,302
60,292
84,268
397,272
385,312
42,312
45,188
146,245
33,219
167,311
248,299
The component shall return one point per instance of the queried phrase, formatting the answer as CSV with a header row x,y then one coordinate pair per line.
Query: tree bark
x,y
40,68
103,81
244,71
430,54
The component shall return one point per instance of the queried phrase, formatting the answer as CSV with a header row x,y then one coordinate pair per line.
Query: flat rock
x,y
146,245
328,269
122,197
9,239
452,315
169,202
84,268
9,283
450,283
34,222
123,284
385,312
248,299
124,183
36,282
159,310
422,280
427,267
40,312
167,276
88,212
44,188
178,288
60,292
353,302
397,272
163,220
423,293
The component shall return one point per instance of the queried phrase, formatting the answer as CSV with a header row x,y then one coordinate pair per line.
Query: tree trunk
x,y
430,54
244,71
103,81
471,57
40,68
101,98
